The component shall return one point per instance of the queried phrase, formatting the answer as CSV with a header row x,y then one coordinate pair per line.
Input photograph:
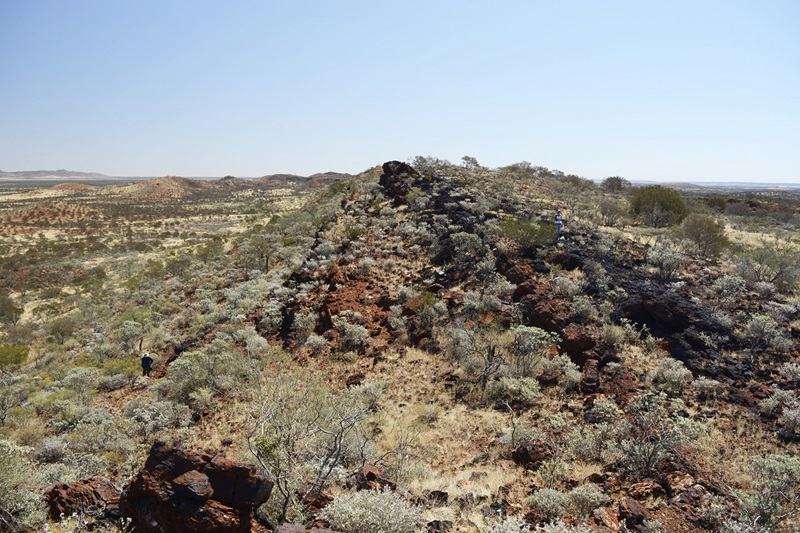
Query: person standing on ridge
x,y
147,364
559,224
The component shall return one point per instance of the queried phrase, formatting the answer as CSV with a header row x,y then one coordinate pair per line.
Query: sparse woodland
x,y
420,320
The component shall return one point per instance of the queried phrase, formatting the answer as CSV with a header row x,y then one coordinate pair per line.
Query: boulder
x,y
371,477
531,454
97,496
633,512
590,377
396,180
183,491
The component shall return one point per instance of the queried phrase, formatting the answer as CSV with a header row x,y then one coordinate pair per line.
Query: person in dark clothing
x,y
147,364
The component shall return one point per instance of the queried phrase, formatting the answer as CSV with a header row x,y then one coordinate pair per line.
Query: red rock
x,y
79,496
608,518
633,512
646,488
590,378
577,342
193,484
184,492
371,477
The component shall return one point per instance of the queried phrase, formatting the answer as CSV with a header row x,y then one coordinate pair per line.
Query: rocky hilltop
x,y
417,348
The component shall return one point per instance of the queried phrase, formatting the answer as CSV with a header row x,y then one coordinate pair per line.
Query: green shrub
x,y
369,511
11,356
778,264
653,434
658,206
528,348
671,376
520,392
527,232
704,235
775,490
582,500
549,503
510,524
306,433
666,261
563,370
21,508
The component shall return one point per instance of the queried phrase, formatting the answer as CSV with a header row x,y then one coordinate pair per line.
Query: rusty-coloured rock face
x,y
64,499
182,491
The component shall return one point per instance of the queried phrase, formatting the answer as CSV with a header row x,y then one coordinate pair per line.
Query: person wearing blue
x,y
559,224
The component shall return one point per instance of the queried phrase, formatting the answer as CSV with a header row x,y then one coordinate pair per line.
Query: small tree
x,y
658,206
615,184
12,356
10,312
62,328
705,235
304,433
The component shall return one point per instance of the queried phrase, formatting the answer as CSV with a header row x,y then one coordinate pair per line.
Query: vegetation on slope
x,y
422,319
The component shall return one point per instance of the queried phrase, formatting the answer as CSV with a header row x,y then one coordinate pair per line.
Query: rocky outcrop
x,y
96,497
396,179
183,491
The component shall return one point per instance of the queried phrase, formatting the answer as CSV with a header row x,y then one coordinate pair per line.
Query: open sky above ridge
x,y
672,91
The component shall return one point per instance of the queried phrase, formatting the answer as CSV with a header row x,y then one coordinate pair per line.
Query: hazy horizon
x,y
676,92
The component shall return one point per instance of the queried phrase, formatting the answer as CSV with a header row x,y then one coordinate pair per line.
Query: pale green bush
x,y
521,392
779,400
550,503
151,417
316,344
528,348
729,286
561,527
354,336
775,490
510,524
667,262
563,370
582,500
369,511
21,508
671,376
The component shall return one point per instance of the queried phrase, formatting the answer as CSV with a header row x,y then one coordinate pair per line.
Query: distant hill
x,y
49,175
313,181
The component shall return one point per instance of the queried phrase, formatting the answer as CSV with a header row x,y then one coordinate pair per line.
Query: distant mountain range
x,y
71,175
53,175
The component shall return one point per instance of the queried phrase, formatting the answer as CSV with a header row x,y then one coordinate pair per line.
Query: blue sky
x,y
678,91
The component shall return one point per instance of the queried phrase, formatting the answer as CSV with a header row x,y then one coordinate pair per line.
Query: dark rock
x,y
568,261
193,484
437,526
182,491
646,488
95,494
590,377
396,180
608,518
789,436
438,497
531,454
